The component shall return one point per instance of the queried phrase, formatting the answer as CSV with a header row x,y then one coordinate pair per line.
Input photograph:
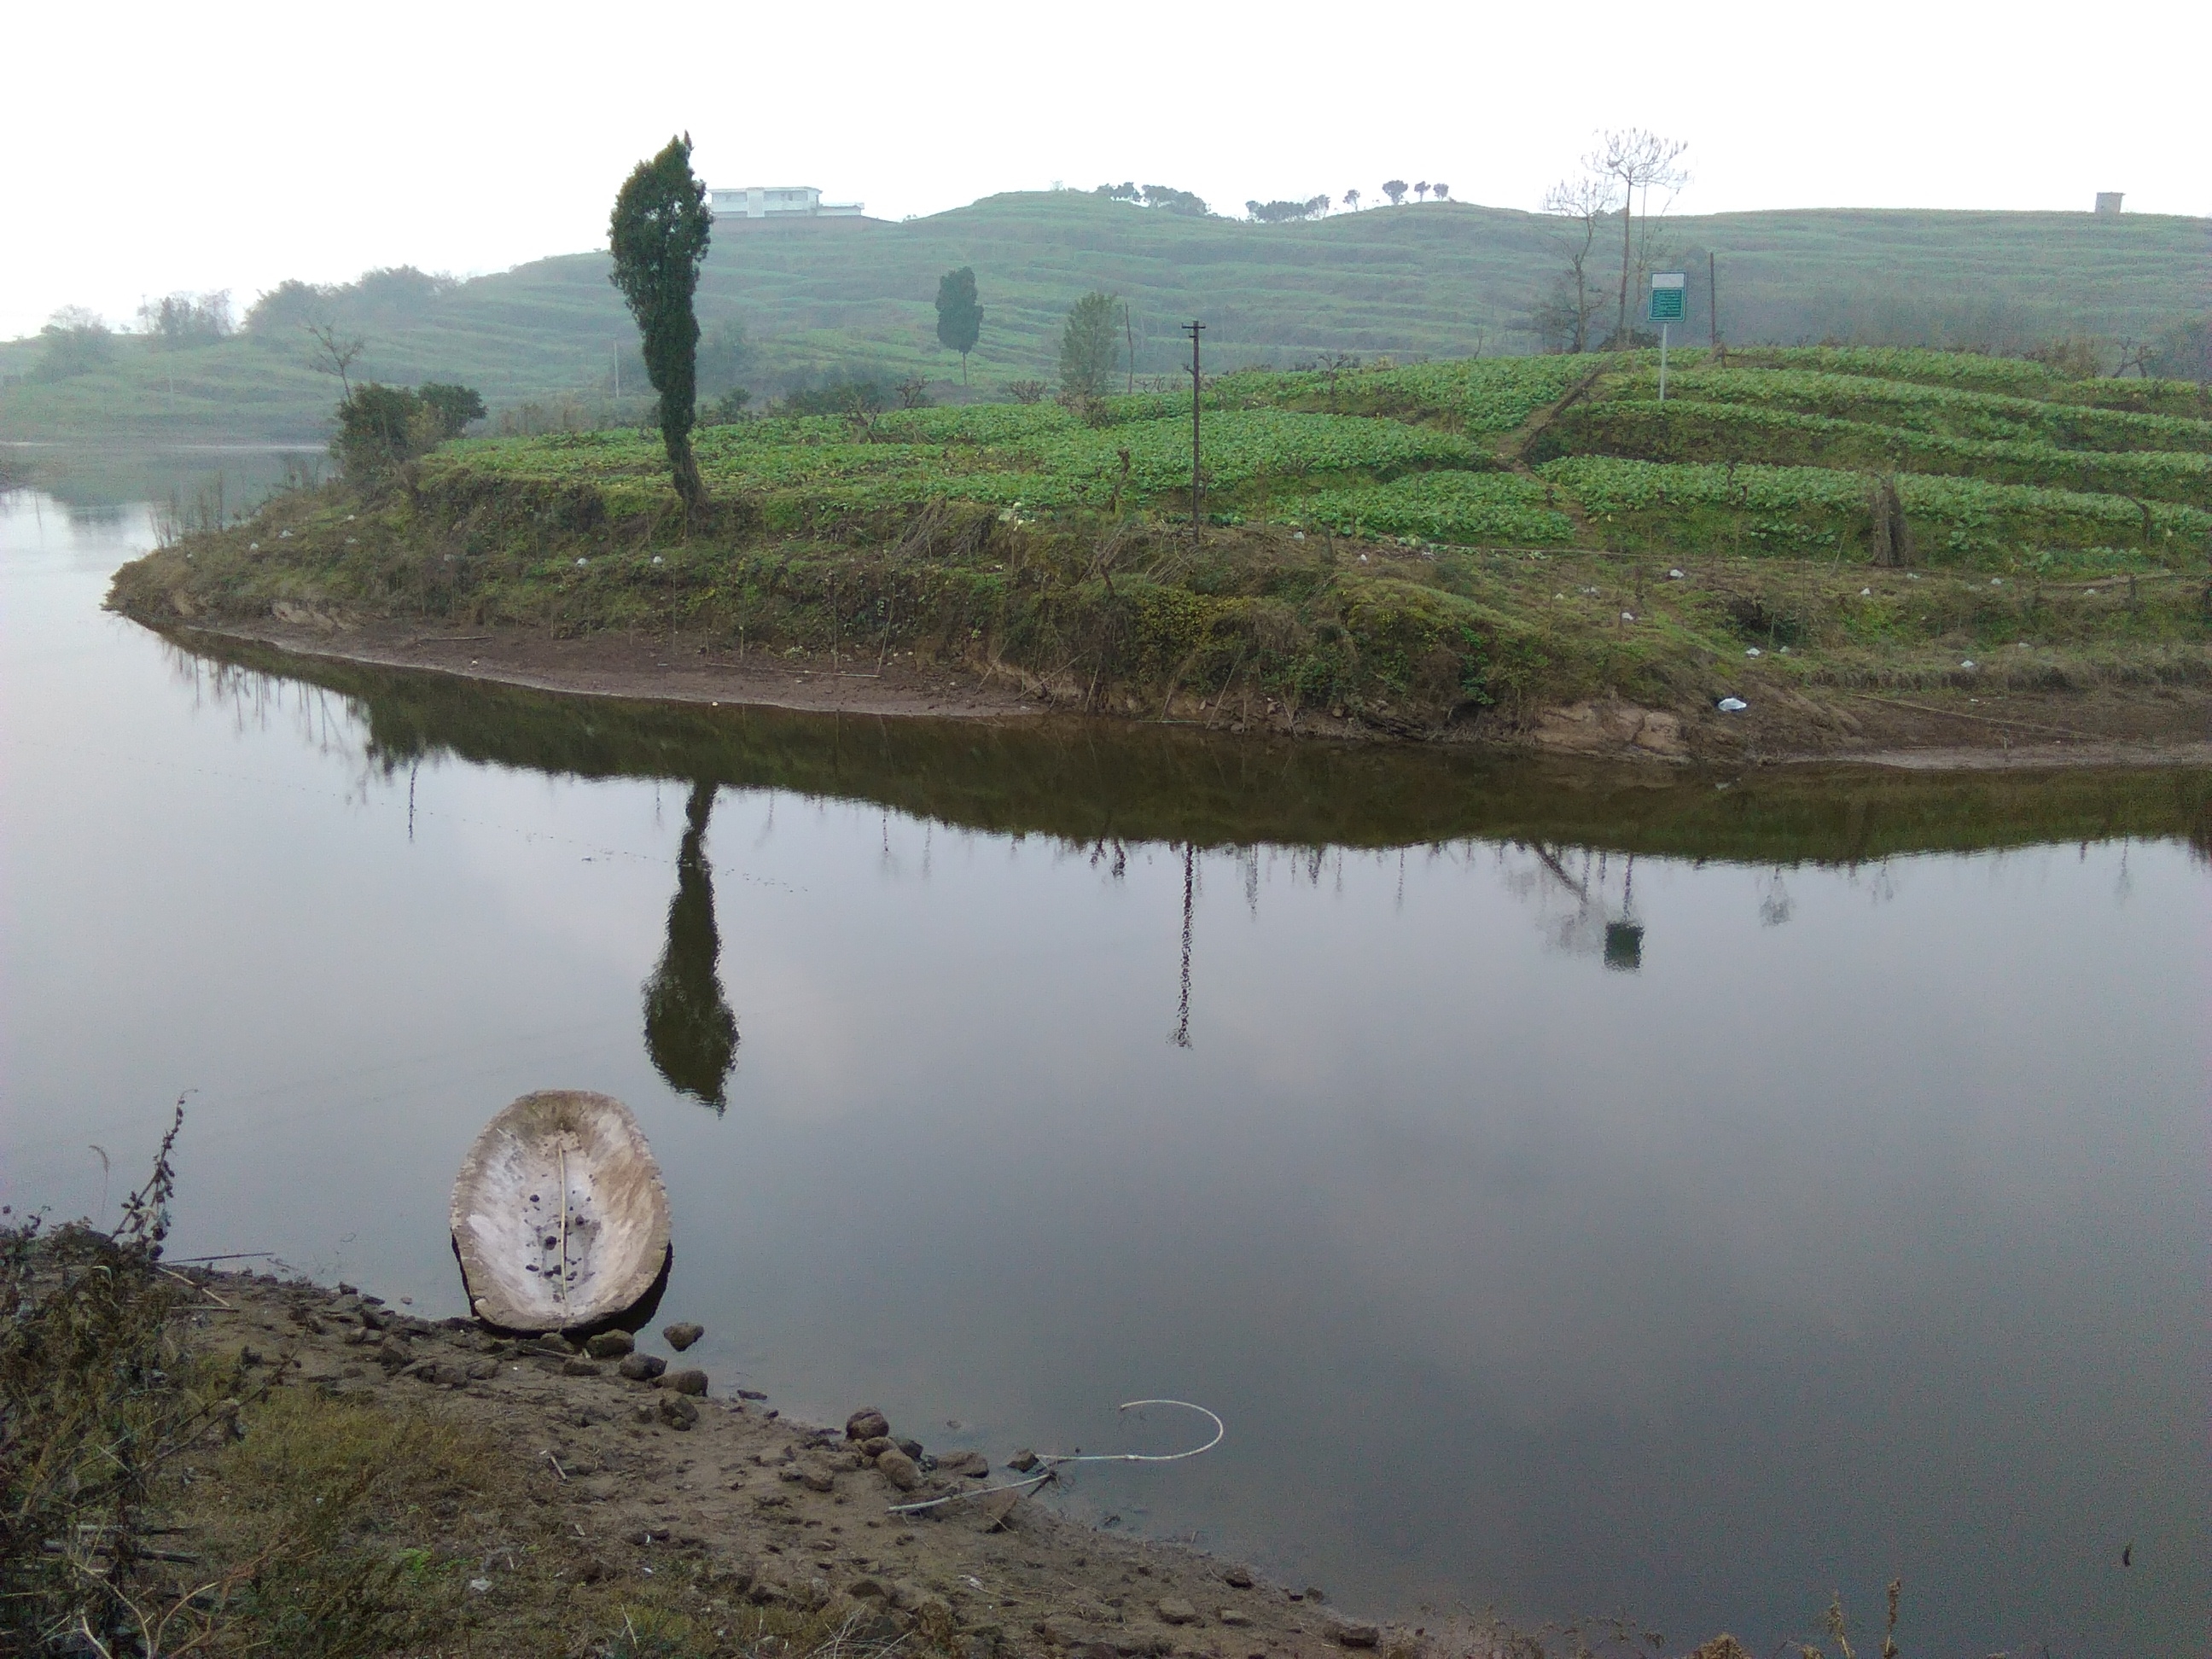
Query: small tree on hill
x,y
959,316
1578,204
76,341
658,234
1421,191
1396,190
1352,200
1443,191
1090,346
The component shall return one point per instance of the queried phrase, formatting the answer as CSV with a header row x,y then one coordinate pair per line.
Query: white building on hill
x,y
777,202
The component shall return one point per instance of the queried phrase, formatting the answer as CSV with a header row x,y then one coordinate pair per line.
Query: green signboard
x,y
1669,297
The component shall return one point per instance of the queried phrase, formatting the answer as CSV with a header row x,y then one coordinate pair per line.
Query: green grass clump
x,y
1683,429
1468,509
1481,395
1810,510
820,470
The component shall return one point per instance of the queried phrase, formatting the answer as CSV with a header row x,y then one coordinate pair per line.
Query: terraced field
x,y
1777,451
1405,546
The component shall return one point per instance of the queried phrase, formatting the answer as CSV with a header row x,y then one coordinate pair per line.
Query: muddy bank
x,y
1938,728
656,1466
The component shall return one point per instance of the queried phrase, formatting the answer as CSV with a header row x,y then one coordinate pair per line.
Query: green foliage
x,y
728,409
1488,394
1282,213
1684,429
380,427
1468,509
1090,346
847,394
1928,406
658,235
74,342
959,315
186,319
2182,351
96,1400
1166,198
453,406
1817,510
726,356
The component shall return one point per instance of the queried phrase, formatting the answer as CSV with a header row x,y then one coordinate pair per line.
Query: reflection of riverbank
x,y
1938,729
1096,783
97,478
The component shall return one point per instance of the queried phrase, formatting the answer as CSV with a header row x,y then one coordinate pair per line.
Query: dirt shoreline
x,y
1937,731
775,1512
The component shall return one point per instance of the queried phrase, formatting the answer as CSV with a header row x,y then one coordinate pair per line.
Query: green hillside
x,y
1401,547
1436,279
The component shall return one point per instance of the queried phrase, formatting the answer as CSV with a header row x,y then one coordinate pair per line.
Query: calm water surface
x,y
1577,1194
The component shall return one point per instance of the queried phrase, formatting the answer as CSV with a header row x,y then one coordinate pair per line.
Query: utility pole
x,y
1713,296
1197,397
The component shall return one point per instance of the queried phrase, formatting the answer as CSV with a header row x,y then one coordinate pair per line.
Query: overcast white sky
x,y
158,147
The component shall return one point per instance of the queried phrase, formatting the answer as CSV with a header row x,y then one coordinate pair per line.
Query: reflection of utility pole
x,y
1197,389
1181,1037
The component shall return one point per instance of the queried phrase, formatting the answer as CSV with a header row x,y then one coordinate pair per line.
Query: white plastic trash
x,y
1751,651
1731,705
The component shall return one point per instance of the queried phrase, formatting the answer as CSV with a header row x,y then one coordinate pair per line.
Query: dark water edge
x,y
1092,782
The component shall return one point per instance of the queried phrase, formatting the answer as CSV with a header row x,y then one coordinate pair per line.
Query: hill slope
x,y
1436,279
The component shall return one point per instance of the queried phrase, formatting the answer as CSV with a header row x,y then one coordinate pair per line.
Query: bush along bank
x,y
1497,540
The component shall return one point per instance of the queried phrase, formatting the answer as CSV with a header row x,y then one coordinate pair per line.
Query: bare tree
x,y
1580,204
335,353
1637,160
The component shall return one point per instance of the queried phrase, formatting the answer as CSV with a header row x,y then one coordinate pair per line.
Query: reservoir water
x,y
1579,1192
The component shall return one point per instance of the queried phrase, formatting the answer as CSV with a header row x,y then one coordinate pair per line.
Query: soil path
x,y
662,668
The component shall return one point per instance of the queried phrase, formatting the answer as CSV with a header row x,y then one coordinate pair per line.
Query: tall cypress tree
x,y
659,236
959,316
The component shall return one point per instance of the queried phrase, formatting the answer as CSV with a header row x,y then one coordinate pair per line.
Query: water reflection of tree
x,y
690,1030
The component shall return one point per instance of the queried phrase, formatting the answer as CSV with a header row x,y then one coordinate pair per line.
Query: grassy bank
x,y
1435,549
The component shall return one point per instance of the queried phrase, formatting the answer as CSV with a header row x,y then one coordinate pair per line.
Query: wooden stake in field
x,y
1197,396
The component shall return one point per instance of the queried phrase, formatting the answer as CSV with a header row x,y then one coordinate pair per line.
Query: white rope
x,y
1051,1461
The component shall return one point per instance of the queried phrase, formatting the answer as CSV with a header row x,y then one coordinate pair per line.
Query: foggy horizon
x,y
288,147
